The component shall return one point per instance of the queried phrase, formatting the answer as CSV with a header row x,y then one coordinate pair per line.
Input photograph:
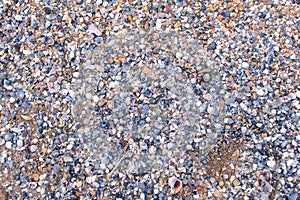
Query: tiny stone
x,y
2,141
20,94
293,196
283,130
244,107
213,46
179,55
291,163
33,148
189,147
261,91
7,85
47,24
64,92
290,179
228,121
244,129
76,74
47,10
271,163
218,126
147,71
26,117
8,145
212,180
221,183
26,52
70,146
197,91
68,159
95,98
35,177
210,110
88,96
4,153
8,136
79,183
93,29
42,177
18,17
152,150
12,99
35,141
236,182
103,124
206,77
20,143
33,185
245,65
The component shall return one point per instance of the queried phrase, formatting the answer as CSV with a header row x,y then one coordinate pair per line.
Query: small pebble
x,y
7,85
2,141
33,148
261,91
48,10
271,163
8,145
245,65
35,177
76,74
291,163
206,77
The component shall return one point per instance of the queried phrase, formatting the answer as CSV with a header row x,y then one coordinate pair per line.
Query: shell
x,y
175,184
26,117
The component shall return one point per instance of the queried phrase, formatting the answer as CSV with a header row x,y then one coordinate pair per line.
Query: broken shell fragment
x,y
175,184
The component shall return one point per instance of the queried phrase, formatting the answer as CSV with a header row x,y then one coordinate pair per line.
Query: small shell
x,y
175,184
32,185
95,30
26,117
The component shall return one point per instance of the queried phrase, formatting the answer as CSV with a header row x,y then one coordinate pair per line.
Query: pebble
x,y
76,74
33,148
20,143
291,163
228,121
8,145
2,141
271,163
213,46
245,65
294,196
33,185
35,177
48,10
7,85
218,126
179,55
206,77
261,91
20,94
26,117
244,107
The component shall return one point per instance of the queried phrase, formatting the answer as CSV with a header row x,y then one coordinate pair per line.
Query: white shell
x,y
175,184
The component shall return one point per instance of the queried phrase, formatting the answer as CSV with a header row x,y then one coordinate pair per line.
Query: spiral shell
x,y
175,184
